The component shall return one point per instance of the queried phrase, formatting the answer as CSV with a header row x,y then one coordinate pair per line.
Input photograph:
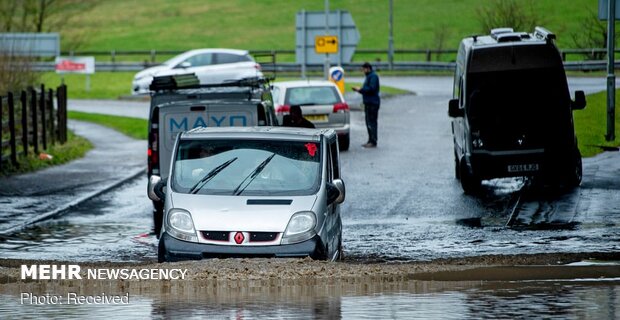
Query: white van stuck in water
x,y
259,191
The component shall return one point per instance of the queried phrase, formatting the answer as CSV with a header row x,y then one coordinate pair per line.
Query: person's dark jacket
x,y
370,89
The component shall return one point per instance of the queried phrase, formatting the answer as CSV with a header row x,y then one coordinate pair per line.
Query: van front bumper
x,y
184,250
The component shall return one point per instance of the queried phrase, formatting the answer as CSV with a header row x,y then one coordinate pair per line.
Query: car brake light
x,y
285,108
341,107
257,66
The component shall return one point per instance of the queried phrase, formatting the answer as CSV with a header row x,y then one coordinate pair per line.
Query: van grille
x,y
225,236
216,235
263,236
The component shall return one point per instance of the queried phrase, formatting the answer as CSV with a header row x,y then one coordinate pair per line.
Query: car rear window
x,y
307,96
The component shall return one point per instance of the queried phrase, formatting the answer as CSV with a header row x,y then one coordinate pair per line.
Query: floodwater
x,y
117,227
576,299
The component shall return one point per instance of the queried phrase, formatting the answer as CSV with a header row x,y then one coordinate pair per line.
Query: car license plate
x,y
530,167
316,117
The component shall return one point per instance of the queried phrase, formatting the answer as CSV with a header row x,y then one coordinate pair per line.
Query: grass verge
x,y
132,127
591,125
75,148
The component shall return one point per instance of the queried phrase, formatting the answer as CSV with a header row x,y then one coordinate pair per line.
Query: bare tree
x,y
40,15
521,15
592,34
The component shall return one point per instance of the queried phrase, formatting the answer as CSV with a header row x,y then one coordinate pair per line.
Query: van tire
x,y
162,253
469,182
343,142
457,169
576,173
158,218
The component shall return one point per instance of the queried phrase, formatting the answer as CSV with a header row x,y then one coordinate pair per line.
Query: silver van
x,y
252,191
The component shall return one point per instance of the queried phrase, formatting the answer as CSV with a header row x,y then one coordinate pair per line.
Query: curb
x,y
84,198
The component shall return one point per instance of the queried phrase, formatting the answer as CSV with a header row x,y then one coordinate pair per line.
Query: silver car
x,y
252,191
209,65
321,103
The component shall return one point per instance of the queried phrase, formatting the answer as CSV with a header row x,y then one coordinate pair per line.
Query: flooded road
x,y
403,204
403,207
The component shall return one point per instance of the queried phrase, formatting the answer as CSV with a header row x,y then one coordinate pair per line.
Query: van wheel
x,y
343,142
162,253
576,173
457,169
469,182
321,253
158,218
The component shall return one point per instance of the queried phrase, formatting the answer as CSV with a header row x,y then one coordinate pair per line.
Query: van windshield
x,y
247,167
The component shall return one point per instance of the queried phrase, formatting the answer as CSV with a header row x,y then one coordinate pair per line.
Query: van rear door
x,y
178,118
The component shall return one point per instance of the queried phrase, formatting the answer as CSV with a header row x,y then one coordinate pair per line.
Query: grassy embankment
x,y
75,148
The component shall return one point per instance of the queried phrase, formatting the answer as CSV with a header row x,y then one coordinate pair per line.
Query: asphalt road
x,y
403,202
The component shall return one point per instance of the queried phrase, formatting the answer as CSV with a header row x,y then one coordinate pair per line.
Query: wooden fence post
x,y
12,136
35,123
23,99
61,96
43,122
1,142
50,104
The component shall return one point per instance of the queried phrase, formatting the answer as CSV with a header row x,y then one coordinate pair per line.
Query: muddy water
x,y
577,299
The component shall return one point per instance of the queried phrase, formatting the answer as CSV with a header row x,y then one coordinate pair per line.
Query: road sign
x,y
326,44
30,44
83,65
311,24
603,9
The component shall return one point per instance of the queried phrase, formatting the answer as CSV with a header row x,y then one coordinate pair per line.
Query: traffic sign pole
x,y
326,64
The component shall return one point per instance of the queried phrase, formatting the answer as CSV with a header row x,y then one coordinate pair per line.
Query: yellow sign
x,y
326,44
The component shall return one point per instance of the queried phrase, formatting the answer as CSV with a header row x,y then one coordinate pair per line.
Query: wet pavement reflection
x,y
580,299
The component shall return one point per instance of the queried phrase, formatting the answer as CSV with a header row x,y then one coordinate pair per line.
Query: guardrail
x,y
35,121
153,56
598,65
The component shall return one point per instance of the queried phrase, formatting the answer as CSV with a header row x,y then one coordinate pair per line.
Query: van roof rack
x,y
190,81
544,34
498,31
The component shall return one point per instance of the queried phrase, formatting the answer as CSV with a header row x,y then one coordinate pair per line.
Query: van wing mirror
x,y
580,100
156,187
185,64
335,192
454,111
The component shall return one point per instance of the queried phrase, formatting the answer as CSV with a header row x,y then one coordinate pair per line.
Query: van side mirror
x,y
580,101
185,64
155,188
335,192
454,111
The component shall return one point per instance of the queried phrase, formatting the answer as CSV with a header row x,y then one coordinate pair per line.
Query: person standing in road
x,y
371,100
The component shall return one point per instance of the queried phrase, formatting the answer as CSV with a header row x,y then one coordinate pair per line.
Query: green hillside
x,y
270,24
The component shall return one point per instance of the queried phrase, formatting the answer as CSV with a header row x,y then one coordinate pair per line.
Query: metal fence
x,y
31,121
405,60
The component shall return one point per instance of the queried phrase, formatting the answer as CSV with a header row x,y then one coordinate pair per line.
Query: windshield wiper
x,y
210,176
253,175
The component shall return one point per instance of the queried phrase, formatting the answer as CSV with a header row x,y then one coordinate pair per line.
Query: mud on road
x,y
262,272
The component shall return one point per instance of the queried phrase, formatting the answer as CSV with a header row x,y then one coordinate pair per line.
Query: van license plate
x,y
523,167
316,117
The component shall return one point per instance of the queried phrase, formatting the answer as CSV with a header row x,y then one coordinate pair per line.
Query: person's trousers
x,y
372,115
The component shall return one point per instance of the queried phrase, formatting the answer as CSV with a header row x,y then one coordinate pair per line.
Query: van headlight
x,y
300,227
181,225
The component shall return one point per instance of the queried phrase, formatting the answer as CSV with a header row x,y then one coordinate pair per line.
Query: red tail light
x,y
285,108
341,107
258,67
153,154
